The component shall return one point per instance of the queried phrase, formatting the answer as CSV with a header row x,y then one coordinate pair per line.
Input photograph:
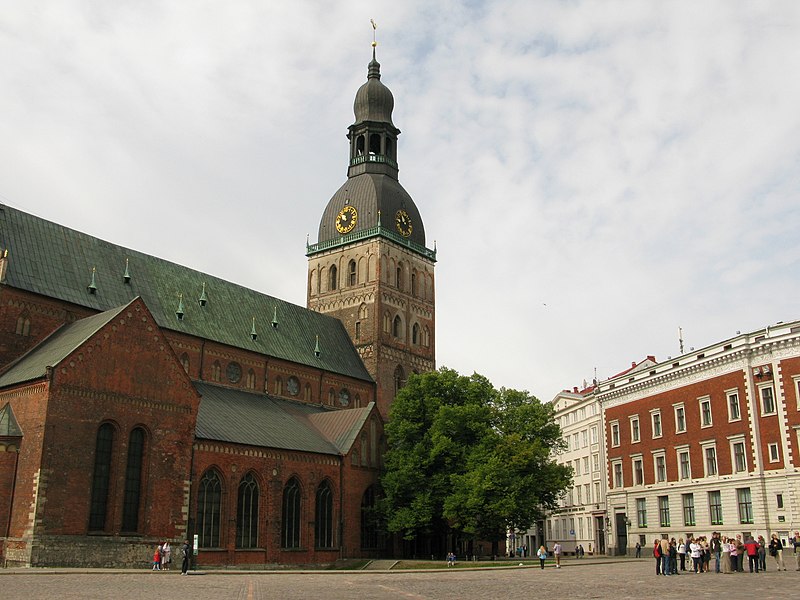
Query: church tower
x,y
370,266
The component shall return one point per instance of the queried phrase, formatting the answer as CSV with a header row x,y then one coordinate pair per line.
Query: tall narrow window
x,y
641,512
688,509
711,460
100,479
680,419
638,472
323,522
209,497
614,434
618,478
715,507
663,510
767,400
684,465
734,414
399,378
247,513
745,505
352,273
290,518
133,481
369,520
415,334
739,458
399,278
397,327
705,412
656,420
635,429
185,362
332,281
661,468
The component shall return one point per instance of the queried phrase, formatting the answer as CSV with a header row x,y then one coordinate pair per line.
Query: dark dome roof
x,y
374,101
370,193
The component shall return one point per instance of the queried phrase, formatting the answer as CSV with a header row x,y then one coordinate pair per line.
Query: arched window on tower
x,y
332,280
414,283
352,274
375,144
399,379
397,326
360,145
415,334
399,277
389,147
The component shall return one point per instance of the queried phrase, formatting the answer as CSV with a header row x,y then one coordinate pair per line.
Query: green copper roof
x,y
244,417
55,261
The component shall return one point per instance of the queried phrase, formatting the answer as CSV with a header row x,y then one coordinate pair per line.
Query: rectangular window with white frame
x,y
774,453
738,455
595,462
745,505
584,438
796,379
684,463
706,420
715,507
594,434
655,418
660,467
680,418
638,469
635,438
614,434
734,409
710,459
619,481
585,465
767,395
641,512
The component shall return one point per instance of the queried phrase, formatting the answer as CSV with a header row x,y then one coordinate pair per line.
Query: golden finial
x,y
374,32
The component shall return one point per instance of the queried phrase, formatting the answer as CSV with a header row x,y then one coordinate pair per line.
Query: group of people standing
x,y
730,553
162,557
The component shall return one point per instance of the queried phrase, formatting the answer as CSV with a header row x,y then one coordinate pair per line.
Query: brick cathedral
x,y
143,401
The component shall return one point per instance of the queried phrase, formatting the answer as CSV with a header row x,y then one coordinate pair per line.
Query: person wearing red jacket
x,y
752,553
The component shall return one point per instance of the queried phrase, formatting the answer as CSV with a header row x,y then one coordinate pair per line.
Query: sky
x,y
594,175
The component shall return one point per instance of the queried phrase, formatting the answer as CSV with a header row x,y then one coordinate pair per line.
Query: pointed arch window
x,y
216,371
323,523
352,273
332,278
369,520
278,386
399,277
290,516
414,283
360,144
251,379
104,443
247,513
133,481
374,143
397,326
415,334
399,378
387,322
209,500
331,396
364,449
185,362
307,393
23,326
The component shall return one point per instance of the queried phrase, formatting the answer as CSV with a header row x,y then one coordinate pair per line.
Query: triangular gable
x,y
55,348
342,427
8,423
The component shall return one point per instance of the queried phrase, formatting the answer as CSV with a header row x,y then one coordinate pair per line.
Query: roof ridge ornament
x,y
126,278
275,318
317,351
203,299
253,334
92,287
179,313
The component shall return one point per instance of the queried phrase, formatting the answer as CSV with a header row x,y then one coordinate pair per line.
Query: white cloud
x,y
595,174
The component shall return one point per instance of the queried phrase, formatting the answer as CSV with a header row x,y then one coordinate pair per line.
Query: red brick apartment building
x,y
706,442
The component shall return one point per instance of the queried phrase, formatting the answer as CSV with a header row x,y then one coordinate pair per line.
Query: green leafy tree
x,y
464,457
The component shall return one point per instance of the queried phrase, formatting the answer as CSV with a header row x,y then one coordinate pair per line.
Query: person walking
x,y
157,559
796,546
638,550
776,550
185,553
557,554
542,554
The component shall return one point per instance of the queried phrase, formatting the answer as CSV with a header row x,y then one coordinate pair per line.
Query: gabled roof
x,y
8,424
54,261
55,348
253,419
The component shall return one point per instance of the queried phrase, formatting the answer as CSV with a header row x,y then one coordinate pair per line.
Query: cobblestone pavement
x,y
615,580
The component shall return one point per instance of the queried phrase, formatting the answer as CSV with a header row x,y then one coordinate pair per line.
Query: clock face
x,y
346,219
403,223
